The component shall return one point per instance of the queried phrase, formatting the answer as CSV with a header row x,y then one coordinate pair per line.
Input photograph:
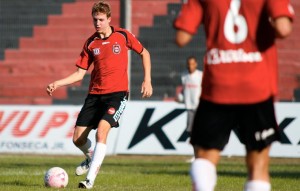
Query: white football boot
x,y
83,167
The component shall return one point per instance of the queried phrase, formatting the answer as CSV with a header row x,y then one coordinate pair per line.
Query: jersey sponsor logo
x,y
192,86
96,51
116,49
103,43
216,56
111,111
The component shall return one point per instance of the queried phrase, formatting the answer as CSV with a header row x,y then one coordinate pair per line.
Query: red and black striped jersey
x,y
109,57
240,64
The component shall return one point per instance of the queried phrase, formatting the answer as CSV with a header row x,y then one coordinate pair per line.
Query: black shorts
x,y
108,107
254,124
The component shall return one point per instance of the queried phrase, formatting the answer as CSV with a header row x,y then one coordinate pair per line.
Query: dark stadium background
x,y
41,39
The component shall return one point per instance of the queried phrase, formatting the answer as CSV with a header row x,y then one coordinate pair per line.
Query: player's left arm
x,y
281,16
187,22
283,26
134,44
146,88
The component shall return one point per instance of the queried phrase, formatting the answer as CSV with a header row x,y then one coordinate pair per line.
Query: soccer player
x,y
107,51
191,90
239,82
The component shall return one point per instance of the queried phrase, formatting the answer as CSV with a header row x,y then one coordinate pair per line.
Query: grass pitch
x,y
138,173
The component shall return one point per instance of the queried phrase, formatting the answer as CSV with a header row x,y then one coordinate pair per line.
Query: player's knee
x,y
79,141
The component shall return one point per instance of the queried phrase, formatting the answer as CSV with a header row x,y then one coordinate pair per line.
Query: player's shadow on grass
x,y
231,173
274,174
285,174
168,172
153,168
40,164
19,183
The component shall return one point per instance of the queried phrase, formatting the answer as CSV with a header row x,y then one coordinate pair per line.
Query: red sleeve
x,y
133,43
84,60
279,8
190,17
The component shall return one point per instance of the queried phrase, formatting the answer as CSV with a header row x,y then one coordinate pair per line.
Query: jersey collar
x,y
97,36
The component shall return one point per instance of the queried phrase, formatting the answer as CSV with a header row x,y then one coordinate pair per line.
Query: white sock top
x,y
98,157
204,175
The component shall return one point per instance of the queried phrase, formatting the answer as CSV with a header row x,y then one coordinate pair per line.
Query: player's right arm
x,y
187,22
75,77
182,38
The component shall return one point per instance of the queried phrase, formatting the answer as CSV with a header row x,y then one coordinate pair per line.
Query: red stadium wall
x,y
51,52
49,55
289,59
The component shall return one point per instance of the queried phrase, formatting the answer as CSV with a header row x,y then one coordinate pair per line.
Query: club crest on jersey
x,y
96,51
116,49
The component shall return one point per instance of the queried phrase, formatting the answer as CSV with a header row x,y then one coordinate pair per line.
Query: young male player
x,y
239,82
107,51
191,89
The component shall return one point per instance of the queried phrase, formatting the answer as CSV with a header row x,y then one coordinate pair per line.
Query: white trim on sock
x,y
257,185
87,149
98,157
204,175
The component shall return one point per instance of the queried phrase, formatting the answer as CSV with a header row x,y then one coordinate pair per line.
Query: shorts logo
x,y
260,136
116,48
111,111
96,51
120,110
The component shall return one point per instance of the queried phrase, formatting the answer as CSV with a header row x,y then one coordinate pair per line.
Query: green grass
x,y
138,173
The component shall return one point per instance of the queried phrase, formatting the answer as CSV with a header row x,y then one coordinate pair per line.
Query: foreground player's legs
x,y
203,169
258,170
98,155
80,139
